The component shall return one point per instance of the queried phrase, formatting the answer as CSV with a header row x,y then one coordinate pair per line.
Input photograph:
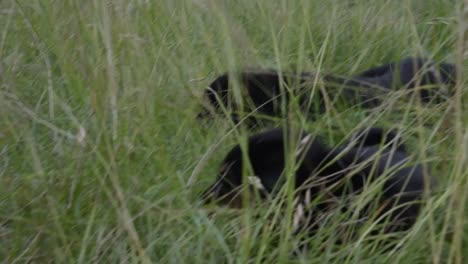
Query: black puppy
x,y
262,92
323,172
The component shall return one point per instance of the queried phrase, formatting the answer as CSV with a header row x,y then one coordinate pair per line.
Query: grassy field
x,y
102,159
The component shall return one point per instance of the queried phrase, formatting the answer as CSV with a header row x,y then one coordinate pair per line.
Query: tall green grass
x,y
102,159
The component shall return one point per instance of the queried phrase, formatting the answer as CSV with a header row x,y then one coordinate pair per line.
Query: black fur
x,y
331,171
262,93
266,154
410,73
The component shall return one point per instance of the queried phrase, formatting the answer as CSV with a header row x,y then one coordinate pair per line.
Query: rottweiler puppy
x,y
333,175
267,93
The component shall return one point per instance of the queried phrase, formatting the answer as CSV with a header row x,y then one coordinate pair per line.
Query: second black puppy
x,y
342,172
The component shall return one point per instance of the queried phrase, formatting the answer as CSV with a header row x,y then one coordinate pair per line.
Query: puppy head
x,y
218,90
266,156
